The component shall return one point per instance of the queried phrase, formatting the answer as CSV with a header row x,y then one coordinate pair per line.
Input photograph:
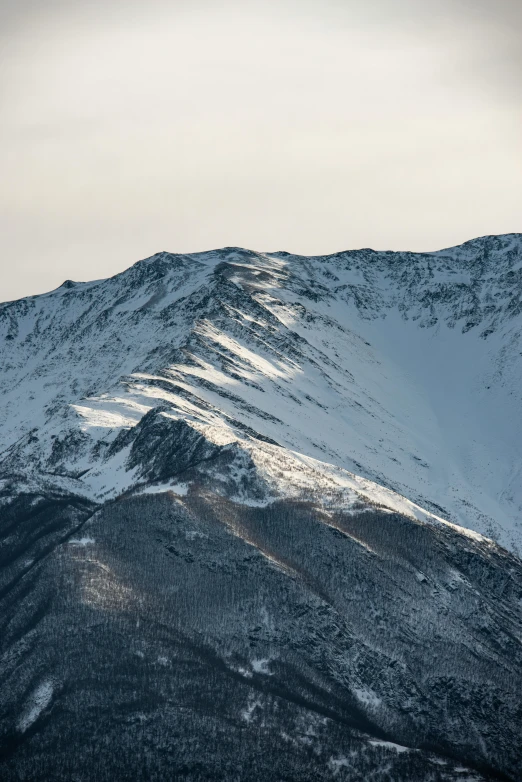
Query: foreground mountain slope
x,y
231,485
197,637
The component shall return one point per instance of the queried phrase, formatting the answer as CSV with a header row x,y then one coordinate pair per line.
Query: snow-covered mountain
x,y
353,421
402,368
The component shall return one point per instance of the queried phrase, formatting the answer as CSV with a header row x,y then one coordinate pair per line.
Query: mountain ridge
x,y
184,295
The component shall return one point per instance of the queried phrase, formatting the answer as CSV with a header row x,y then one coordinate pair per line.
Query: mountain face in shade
x,y
261,519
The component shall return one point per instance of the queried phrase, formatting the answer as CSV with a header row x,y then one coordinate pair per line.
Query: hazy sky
x,y
305,125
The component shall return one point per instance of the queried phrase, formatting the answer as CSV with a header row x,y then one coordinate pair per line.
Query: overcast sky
x,y
302,125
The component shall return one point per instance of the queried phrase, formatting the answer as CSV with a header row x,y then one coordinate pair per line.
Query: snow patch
x,y
390,745
261,666
193,534
336,764
367,696
85,541
248,713
181,489
38,701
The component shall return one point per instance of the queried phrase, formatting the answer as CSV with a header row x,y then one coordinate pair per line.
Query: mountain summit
x,y
261,519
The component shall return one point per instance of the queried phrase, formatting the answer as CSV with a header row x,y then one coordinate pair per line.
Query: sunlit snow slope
x,y
402,369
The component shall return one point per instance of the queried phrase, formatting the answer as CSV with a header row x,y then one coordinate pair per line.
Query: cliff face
x,y
247,503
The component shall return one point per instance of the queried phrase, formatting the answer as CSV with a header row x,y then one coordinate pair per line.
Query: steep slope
x,y
230,488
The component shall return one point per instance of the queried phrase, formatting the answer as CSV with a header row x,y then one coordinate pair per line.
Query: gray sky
x,y
305,125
